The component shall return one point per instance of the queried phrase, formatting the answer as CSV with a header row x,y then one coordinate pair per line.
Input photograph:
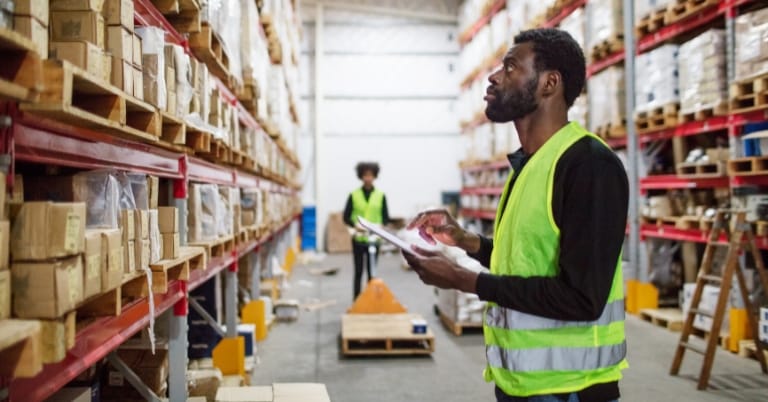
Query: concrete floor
x,y
308,351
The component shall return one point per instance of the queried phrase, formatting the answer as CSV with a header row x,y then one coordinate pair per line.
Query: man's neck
x,y
535,129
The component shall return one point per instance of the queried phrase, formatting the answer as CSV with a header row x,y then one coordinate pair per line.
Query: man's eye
x,y
509,67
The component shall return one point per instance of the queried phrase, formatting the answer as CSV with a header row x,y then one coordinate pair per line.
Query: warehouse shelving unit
x,y
31,139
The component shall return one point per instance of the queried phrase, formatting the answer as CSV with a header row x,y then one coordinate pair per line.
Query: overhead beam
x,y
422,15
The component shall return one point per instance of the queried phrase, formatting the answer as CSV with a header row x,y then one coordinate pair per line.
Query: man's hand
x,y
436,269
438,225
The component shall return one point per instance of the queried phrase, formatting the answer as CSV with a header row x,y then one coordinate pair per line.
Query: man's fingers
x,y
427,237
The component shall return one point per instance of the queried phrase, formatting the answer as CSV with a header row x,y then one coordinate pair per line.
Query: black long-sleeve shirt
x,y
589,204
367,194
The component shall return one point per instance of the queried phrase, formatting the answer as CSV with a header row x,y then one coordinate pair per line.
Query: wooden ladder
x,y
739,239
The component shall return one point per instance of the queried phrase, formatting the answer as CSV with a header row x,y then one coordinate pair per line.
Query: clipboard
x,y
384,234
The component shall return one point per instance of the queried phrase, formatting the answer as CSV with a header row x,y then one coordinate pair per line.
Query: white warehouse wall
x,y
389,90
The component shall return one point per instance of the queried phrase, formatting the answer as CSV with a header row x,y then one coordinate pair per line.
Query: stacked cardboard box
x,y
606,23
169,232
31,20
204,212
77,34
124,46
656,78
47,246
153,65
752,44
606,98
703,79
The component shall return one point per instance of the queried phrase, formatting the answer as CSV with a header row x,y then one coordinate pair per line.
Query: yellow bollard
x,y
739,328
254,313
229,356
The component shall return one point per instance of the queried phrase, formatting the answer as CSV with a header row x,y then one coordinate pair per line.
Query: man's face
x,y
368,178
512,93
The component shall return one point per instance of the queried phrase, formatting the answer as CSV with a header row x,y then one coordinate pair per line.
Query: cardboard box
x,y
85,55
151,368
338,238
17,195
248,217
35,30
153,188
5,294
171,245
47,289
168,219
94,263
170,78
77,5
119,12
32,8
129,257
762,331
120,43
155,239
5,239
142,223
128,224
305,392
45,230
112,255
75,26
122,75
137,50
171,102
244,394
143,253
138,82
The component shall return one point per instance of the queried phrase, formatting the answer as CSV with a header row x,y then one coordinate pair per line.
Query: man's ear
x,y
552,82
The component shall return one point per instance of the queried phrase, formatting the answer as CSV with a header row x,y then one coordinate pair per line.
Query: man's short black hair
x,y
363,167
555,49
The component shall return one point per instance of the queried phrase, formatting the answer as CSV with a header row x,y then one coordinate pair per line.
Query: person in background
x,y
554,322
371,204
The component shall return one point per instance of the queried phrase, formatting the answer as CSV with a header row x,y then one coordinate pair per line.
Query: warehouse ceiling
x,y
435,10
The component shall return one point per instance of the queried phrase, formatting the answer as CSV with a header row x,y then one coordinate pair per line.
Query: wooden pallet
x,y
383,334
197,139
612,130
174,130
750,166
207,46
218,152
651,23
657,118
184,15
21,351
608,47
748,349
669,318
243,236
458,327
134,286
698,170
749,94
703,113
694,223
72,95
274,47
723,339
679,10
217,248
164,271
21,72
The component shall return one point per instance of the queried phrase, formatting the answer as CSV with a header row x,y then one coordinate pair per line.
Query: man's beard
x,y
513,105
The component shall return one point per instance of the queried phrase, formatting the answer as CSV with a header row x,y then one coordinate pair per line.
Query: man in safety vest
x,y
554,324
371,204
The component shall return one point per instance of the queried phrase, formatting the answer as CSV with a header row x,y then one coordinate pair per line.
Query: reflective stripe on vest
x,y
558,359
500,317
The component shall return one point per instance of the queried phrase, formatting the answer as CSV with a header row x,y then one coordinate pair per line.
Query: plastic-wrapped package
x,y
643,8
127,200
656,78
579,111
140,189
153,65
101,193
176,56
606,22
606,98
228,200
203,212
752,43
703,79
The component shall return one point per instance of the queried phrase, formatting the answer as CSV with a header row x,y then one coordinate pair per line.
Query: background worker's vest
x,y
371,209
532,355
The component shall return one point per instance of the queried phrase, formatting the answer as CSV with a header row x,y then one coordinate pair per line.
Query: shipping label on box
x,y
32,8
5,294
93,265
67,26
128,224
113,255
122,75
119,12
120,43
85,55
129,257
34,30
168,219
171,245
47,289
77,5
45,230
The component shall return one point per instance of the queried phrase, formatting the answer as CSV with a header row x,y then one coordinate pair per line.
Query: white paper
x,y
381,232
